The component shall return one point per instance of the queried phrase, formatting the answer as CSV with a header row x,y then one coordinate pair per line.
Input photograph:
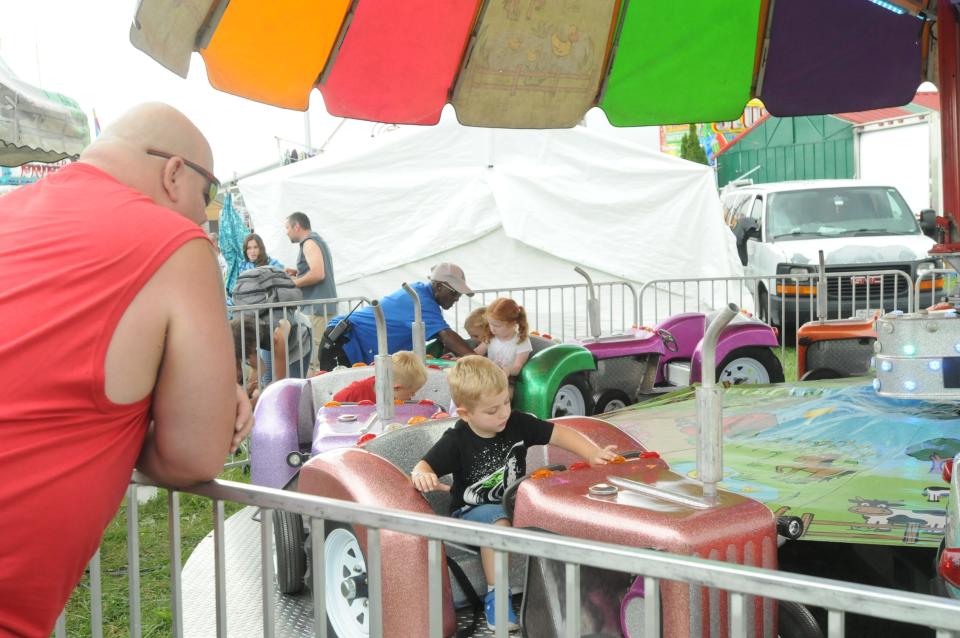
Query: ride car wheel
x,y
573,398
612,400
796,621
290,559
750,365
345,581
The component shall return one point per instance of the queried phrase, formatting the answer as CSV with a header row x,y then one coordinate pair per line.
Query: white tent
x,y
512,208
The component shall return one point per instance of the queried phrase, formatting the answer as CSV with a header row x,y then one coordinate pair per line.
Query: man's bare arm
x,y
454,343
314,256
195,401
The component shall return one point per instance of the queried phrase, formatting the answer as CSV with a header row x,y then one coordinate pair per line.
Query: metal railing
x,y
561,310
780,299
270,315
938,283
738,583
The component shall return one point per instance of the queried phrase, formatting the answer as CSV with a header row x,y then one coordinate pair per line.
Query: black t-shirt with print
x,y
482,468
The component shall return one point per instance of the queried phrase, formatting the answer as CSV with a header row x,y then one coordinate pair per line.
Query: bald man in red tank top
x,y
115,350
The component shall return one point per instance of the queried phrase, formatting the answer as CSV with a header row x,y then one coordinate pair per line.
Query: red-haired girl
x,y
506,340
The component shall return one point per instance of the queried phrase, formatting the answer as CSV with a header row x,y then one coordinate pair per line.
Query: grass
x,y
196,521
789,362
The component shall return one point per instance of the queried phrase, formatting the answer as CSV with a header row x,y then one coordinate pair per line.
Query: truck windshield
x,y
833,212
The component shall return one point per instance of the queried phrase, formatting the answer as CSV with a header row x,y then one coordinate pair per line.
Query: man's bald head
x,y
121,151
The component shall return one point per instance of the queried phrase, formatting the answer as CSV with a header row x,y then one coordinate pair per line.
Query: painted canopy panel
x,y
410,51
819,62
535,63
167,29
274,55
678,62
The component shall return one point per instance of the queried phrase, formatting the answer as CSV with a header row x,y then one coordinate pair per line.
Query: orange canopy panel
x,y
535,64
273,56
398,60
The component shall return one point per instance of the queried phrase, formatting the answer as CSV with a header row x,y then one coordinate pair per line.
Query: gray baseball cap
x,y
452,275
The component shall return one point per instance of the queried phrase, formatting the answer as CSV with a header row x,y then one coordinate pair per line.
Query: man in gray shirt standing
x,y
314,272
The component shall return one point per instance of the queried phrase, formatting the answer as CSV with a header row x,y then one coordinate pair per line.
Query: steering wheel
x,y
668,341
510,494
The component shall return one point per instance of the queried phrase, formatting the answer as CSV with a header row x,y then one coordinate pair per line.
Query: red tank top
x,y
75,248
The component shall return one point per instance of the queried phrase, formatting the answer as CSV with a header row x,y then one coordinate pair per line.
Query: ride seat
x,y
404,448
320,390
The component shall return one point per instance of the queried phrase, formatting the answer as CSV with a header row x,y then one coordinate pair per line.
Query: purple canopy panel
x,y
837,57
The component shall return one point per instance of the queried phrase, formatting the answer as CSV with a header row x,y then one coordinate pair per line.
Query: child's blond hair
x,y
476,320
409,371
474,377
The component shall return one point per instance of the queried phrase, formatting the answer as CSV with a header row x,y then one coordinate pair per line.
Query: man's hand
x,y
290,271
244,421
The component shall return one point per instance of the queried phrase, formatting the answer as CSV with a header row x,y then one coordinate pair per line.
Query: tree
x,y
690,148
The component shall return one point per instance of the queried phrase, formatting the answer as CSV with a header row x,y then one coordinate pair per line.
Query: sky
x,y
82,49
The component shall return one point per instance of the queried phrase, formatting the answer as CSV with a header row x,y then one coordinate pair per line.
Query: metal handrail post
x,y
418,329
383,369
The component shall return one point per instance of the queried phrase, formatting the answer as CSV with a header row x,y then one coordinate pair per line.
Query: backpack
x,y
264,284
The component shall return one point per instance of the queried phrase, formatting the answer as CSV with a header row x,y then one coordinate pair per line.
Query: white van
x,y
859,226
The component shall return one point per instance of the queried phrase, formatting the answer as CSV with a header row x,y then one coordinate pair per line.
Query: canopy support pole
x,y
948,49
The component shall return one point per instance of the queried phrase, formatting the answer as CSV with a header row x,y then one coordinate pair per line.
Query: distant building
x,y
899,146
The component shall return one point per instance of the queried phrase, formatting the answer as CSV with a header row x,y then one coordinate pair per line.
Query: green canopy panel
x,y
37,125
675,65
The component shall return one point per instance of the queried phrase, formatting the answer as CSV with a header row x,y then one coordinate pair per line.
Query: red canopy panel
x,y
398,60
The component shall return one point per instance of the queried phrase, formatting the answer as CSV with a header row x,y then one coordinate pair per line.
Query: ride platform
x,y
293,614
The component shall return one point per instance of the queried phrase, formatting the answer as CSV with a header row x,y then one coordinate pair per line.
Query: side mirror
x,y
928,222
745,229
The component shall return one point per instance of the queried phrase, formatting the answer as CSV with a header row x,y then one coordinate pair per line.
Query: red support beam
x,y
948,50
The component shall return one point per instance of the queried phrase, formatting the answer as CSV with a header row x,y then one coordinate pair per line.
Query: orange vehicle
x,y
835,348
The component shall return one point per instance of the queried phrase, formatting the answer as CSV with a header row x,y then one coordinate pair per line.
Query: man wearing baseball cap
x,y
352,338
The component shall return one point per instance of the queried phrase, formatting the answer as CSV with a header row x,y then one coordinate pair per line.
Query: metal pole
x,y
710,408
383,369
418,329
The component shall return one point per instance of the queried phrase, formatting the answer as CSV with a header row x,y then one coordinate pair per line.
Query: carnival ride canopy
x,y
544,63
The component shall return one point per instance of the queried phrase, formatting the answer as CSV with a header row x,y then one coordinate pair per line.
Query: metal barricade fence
x,y
561,310
781,300
741,583
938,283
271,314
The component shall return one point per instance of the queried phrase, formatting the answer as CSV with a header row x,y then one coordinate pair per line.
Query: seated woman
x,y
284,352
256,254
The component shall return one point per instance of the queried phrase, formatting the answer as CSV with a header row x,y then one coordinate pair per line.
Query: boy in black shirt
x,y
486,451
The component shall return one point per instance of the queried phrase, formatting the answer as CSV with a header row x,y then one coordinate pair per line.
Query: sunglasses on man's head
x,y
210,193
